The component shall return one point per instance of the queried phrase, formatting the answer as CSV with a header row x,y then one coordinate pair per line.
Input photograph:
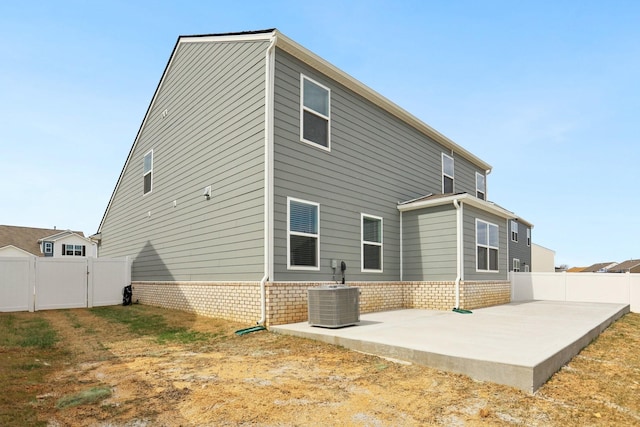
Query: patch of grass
x,y
85,397
73,319
26,331
142,323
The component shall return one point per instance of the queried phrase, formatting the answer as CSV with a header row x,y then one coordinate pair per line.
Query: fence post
x,y
90,282
31,283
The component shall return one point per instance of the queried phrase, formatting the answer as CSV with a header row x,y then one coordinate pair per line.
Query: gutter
x,y
268,175
459,271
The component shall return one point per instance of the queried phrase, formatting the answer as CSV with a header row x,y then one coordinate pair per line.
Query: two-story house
x,y
18,241
261,170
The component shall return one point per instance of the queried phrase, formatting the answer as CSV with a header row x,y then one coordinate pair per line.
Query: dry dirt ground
x,y
265,379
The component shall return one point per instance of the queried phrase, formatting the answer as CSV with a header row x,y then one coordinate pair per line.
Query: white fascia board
x,y
227,38
361,89
461,198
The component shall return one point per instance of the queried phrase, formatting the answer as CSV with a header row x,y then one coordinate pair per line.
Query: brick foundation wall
x,y
286,302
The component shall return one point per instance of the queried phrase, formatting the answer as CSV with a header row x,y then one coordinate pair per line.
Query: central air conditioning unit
x,y
334,306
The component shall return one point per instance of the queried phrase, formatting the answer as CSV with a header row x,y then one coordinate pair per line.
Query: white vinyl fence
x,y
34,283
623,288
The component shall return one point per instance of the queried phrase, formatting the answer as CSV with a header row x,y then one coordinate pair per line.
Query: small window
x,y
147,175
447,174
303,235
481,191
526,268
528,237
487,241
371,236
48,248
514,231
516,265
315,117
74,250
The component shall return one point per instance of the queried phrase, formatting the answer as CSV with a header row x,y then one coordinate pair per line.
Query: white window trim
x,y
514,226
362,243
484,190
488,246
527,268
303,109
528,236
513,267
447,175
47,247
150,171
289,233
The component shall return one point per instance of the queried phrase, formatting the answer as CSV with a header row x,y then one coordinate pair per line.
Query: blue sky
x,y
547,92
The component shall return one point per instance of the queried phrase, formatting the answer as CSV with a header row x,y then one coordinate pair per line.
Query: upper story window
x,y
315,116
481,186
303,251
514,231
371,244
487,241
528,237
447,174
47,248
147,174
74,250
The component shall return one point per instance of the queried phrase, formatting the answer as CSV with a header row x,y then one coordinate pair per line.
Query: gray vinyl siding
x,y
213,134
469,226
519,249
429,244
376,160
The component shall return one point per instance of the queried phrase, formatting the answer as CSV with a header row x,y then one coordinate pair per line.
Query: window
x,y
526,268
315,121
48,248
447,174
481,186
528,237
514,231
487,240
147,175
74,250
371,236
303,250
516,265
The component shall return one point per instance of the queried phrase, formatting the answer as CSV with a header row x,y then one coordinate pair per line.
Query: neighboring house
x,y
259,169
628,266
520,254
601,267
576,269
44,242
543,260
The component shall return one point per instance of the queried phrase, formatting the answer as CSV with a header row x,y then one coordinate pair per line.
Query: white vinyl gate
x,y
35,283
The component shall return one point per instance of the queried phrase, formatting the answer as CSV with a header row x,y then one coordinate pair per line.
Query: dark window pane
x,y
448,184
315,129
303,251
493,259
147,183
482,258
372,257
480,195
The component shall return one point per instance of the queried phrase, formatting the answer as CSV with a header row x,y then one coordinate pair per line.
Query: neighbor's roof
x,y
27,238
626,265
576,269
431,200
599,266
323,66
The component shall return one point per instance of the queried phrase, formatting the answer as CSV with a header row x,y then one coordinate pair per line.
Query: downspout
x,y
268,175
401,250
458,251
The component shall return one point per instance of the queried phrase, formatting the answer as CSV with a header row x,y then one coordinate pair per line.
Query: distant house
x,y
543,260
601,267
44,242
576,269
260,170
628,266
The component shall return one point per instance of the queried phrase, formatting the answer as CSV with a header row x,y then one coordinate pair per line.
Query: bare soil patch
x,y
266,379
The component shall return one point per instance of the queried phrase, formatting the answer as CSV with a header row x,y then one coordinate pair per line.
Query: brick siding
x,y
286,302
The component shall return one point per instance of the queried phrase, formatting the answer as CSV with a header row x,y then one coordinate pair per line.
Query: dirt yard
x,y
265,379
